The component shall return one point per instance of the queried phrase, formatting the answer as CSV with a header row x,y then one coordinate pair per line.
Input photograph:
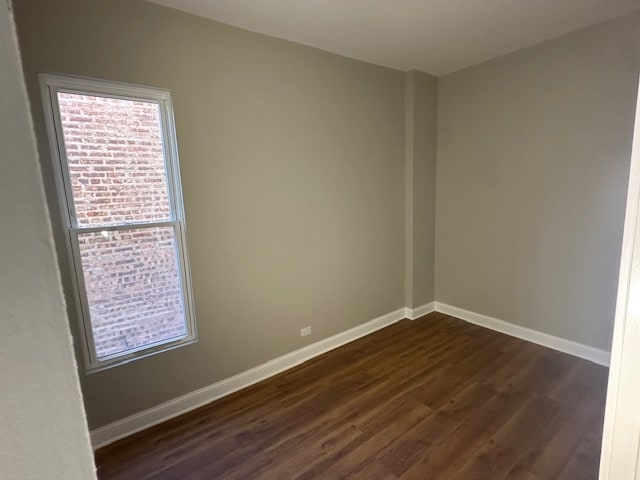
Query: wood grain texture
x,y
436,399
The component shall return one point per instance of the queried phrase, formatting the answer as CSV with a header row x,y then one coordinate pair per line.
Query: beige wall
x,y
421,92
292,165
309,182
40,401
533,159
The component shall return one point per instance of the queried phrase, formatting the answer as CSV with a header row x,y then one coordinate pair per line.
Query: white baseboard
x,y
414,313
140,421
592,354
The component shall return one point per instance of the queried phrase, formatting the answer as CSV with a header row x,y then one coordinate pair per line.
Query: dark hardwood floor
x,y
436,398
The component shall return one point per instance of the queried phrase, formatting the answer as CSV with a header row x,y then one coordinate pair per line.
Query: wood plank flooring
x,y
432,399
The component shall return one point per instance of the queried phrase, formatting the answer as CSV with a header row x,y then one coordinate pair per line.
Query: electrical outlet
x,y
305,331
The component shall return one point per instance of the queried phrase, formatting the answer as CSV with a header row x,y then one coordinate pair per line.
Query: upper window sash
x,y
115,160
53,84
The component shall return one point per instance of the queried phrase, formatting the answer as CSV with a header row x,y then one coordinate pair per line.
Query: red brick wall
x,y
116,164
114,149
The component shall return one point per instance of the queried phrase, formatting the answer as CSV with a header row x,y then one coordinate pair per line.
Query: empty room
x,y
319,240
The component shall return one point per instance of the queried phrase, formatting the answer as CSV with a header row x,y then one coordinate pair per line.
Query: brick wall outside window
x,y
116,165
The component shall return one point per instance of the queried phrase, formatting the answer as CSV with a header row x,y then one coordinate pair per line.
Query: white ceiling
x,y
435,36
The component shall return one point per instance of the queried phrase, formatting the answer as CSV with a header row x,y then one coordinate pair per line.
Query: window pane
x,y
133,288
116,161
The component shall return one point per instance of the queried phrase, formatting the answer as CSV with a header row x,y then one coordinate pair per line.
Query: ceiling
x,y
435,36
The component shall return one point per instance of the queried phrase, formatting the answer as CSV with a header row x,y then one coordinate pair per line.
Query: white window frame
x,y
50,86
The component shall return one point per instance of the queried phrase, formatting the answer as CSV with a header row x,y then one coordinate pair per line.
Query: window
x,y
116,166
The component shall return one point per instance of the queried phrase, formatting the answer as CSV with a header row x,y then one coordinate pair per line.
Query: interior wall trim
x,y
107,434
119,429
576,349
421,311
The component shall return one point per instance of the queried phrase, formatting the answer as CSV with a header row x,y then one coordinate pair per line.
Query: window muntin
x,y
119,185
